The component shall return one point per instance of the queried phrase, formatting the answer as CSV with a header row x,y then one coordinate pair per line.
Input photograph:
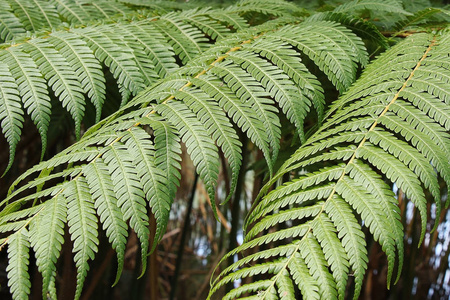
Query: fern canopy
x,y
70,62
203,78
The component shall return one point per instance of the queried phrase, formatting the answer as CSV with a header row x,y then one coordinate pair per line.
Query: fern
x,y
20,16
252,72
201,78
71,63
325,205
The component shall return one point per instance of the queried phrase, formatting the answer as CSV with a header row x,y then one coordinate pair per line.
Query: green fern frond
x,y
383,5
19,257
379,126
276,83
10,25
82,222
112,50
340,65
102,191
72,11
167,153
249,90
28,14
199,145
417,18
60,77
217,125
47,12
156,184
47,237
185,39
20,16
361,27
129,162
32,89
268,7
11,113
71,61
88,70
240,112
129,193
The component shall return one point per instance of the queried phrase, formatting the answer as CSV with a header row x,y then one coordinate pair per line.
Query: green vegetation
x,y
347,105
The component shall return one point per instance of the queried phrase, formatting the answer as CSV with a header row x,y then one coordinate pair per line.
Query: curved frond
x,y
32,89
205,78
71,61
375,135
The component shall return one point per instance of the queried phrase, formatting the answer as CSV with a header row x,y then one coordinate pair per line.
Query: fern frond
x,y
285,58
28,14
186,40
82,222
361,27
47,12
82,12
111,10
167,153
417,18
88,70
268,7
71,63
129,193
277,84
339,64
72,11
47,237
241,113
249,90
32,89
63,81
10,25
204,20
19,258
217,126
155,183
334,251
233,20
129,162
376,127
101,187
11,113
382,5
199,145
110,49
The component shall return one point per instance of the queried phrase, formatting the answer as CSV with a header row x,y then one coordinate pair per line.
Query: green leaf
x,y
60,77
129,193
32,89
82,223
47,237
200,146
18,260
101,188
11,113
